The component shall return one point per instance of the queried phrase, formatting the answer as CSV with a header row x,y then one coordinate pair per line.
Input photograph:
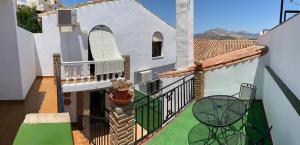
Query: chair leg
x,y
254,116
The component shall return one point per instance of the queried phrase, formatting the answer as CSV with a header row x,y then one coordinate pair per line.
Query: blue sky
x,y
247,15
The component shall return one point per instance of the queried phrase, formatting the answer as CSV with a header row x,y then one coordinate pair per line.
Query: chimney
x,y
184,33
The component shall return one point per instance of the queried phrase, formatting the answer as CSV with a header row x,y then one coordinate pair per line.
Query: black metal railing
x,y
155,110
60,100
95,129
289,12
283,12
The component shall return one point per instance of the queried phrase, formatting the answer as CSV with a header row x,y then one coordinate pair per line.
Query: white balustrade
x,y
80,72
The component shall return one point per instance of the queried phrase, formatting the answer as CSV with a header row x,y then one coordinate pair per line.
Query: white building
x,y
152,46
148,40
41,5
134,28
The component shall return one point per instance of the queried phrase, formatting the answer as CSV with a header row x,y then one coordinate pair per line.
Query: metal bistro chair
x,y
247,95
241,138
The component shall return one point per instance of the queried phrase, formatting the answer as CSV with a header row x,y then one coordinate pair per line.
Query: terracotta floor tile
x,y
40,98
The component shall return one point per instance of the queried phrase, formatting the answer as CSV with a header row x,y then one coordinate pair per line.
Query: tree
x,y
28,19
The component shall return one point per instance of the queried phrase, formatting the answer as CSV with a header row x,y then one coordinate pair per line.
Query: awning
x,y
105,51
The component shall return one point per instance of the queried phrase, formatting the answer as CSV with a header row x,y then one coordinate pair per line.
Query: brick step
x,y
79,138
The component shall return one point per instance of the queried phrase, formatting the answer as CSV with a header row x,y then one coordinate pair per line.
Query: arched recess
x,y
104,51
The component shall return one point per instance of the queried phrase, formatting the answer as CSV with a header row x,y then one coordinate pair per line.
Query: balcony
x,y
79,76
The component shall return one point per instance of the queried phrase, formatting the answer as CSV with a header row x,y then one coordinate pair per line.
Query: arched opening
x,y
157,44
104,51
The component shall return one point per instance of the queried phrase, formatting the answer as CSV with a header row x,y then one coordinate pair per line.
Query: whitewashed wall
x,y
280,114
72,108
132,25
283,57
10,78
17,66
26,58
227,80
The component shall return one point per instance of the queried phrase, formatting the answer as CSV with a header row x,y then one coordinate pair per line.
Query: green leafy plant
x,y
28,19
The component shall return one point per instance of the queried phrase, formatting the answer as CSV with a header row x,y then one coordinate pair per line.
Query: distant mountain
x,y
220,33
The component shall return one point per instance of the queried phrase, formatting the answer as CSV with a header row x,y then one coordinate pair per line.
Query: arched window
x,y
157,44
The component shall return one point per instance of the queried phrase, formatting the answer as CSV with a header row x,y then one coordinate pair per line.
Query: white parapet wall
x,y
283,58
10,79
27,59
227,80
280,113
17,65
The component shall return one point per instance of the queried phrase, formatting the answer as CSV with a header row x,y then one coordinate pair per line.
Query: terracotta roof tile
x,y
206,48
233,56
221,57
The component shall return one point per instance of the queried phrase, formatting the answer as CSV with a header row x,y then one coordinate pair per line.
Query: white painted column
x,y
184,33
10,75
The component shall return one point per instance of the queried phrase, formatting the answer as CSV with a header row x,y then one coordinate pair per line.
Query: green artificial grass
x,y
44,134
142,110
186,126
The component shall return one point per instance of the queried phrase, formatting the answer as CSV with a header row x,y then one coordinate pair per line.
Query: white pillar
x,y
184,33
10,75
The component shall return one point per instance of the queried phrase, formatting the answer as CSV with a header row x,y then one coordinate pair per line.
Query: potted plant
x,y
121,92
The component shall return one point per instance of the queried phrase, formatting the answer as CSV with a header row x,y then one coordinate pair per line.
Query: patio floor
x,y
41,98
177,131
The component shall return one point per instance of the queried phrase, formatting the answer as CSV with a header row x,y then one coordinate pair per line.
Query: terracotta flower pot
x,y
67,102
121,102
121,94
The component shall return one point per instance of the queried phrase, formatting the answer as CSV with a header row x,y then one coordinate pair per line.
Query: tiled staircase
x,y
79,138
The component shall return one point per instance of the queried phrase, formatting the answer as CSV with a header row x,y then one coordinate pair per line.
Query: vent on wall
x,y
145,76
67,19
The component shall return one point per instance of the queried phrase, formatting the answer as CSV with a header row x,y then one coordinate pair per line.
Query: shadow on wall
x,y
15,111
259,77
73,45
38,67
227,80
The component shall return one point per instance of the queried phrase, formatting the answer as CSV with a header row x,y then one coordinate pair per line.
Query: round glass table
x,y
218,113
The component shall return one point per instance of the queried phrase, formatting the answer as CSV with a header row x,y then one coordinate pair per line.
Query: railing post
x,y
148,113
56,60
60,104
122,124
184,91
199,81
57,81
